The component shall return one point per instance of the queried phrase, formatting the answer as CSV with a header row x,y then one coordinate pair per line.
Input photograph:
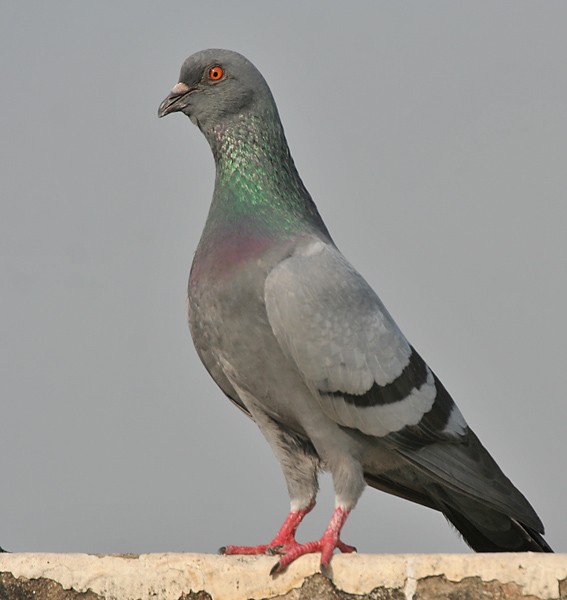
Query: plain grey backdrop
x,y
432,136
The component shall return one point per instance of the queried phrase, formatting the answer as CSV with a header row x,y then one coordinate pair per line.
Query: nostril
x,y
180,88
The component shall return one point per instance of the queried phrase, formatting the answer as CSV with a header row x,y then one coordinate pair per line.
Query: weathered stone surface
x,y
469,588
321,588
355,577
38,589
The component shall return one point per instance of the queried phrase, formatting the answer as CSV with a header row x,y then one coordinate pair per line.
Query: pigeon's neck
x,y
256,179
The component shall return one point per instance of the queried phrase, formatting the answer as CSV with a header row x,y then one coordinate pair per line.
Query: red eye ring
x,y
216,73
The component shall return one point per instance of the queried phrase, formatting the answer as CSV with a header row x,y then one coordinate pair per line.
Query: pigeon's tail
x,y
463,481
496,533
483,528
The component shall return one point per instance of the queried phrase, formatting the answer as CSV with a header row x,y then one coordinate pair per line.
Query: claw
x,y
275,569
326,570
273,550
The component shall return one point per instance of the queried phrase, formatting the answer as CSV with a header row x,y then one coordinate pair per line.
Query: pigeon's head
x,y
215,86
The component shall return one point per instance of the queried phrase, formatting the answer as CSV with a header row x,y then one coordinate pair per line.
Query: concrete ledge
x,y
204,577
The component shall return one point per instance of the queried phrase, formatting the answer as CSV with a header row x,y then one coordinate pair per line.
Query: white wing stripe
x,y
380,420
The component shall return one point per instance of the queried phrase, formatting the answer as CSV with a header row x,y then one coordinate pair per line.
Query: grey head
x,y
215,86
223,93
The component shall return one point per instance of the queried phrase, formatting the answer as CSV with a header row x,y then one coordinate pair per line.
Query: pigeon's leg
x,y
348,481
300,464
326,545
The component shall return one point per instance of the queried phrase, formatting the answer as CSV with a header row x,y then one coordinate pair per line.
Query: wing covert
x,y
348,348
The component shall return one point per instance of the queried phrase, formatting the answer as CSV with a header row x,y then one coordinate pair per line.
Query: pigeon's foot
x,y
326,545
282,543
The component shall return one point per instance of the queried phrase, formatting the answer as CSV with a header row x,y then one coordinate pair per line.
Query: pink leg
x,y
326,545
285,538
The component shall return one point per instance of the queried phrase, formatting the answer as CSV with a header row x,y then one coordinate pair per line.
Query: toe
x,y
345,547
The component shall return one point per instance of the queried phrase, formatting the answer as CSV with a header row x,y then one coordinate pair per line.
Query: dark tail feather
x,y
483,528
499,533
487,529
537,538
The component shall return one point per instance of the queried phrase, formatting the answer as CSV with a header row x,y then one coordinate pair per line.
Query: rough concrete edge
x,y
174,576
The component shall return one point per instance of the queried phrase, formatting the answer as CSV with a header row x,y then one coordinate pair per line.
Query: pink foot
x,y
326,545
285,538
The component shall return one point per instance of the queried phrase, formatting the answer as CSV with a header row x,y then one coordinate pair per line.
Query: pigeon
x,y
298,340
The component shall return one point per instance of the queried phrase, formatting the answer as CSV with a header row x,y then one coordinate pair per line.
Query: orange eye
x,y
216,73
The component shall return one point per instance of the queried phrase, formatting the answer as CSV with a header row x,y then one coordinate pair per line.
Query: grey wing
x,y
367,377
349,350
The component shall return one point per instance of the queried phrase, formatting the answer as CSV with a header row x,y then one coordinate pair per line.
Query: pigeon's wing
x,y
350,351
367,377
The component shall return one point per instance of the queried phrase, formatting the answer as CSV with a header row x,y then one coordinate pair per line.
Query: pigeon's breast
x,y
225,256
229,322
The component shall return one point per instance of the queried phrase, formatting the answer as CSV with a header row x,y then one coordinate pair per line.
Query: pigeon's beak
x,y
177,100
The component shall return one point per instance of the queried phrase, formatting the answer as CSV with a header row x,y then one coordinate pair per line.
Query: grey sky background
x,y
433,138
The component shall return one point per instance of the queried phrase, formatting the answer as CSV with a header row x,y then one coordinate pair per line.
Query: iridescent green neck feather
x,y
256,179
